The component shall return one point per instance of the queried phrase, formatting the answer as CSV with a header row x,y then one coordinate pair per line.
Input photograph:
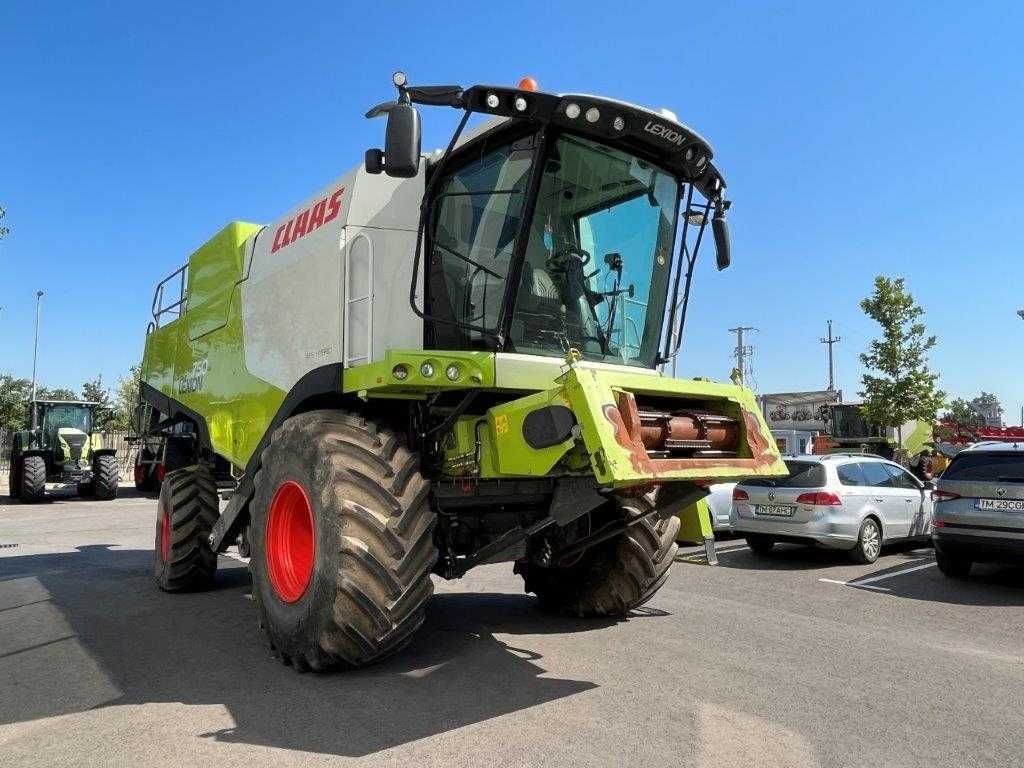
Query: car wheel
x,y
953,567
869,543
760,545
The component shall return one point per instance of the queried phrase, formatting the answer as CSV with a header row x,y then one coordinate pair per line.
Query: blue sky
x,y
856,140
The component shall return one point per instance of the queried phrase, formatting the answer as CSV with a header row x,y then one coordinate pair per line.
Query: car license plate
x,y
775,510
1002,505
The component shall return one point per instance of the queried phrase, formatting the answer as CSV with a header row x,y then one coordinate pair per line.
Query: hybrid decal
x,y
314,217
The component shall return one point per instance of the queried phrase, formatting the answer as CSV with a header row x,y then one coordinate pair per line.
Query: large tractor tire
x,y
106,475
186,512
615,576
32,480
342,541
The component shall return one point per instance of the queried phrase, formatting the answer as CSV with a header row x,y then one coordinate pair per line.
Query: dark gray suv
x,y
979,508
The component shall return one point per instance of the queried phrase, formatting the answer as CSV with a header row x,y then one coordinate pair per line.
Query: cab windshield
x,y
597,257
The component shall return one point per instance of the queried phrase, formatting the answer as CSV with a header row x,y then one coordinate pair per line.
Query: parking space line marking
x,y
854,584
859,582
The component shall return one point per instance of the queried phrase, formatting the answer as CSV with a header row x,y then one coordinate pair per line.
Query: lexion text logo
x,y
666,133
310,219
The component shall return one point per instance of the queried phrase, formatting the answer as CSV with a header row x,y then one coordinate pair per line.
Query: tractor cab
x,y
64,428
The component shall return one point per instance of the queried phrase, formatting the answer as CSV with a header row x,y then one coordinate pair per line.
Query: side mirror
x,y
720,227
402,142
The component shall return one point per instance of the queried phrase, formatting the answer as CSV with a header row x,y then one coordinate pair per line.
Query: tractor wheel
x,y
105,477
32,483
616,576
342,541
14,478
186,512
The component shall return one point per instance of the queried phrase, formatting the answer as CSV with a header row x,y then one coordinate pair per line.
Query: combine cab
x,y
440,361
60,447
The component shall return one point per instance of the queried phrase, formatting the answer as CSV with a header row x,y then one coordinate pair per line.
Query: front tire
x,y
32,484
186,512
342,541
14,478
616,576
105,477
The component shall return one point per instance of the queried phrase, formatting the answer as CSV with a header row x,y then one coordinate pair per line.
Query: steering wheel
x,y
564,259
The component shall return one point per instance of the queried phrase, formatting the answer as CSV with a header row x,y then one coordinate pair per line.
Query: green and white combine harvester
x,y
446,360
60,446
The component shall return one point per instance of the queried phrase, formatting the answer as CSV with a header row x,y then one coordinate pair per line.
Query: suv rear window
x,y
987,466
802,474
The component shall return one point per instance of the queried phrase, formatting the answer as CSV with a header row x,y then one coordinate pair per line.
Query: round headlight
x,y
592,115
618,123
572,111
427,369
492,100
400,372
520,104
452,372
399,78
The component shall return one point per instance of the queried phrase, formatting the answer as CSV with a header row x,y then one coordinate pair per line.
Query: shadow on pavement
x,y
988,585
88,628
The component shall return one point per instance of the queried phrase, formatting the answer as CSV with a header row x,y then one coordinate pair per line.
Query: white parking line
x,y
868,582
859,582
853,584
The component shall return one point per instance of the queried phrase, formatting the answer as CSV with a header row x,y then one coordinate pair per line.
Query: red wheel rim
x,y
165,533
291,544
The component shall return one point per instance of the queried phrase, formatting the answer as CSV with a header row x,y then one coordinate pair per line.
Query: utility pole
x,y
742,351
831,361
35,355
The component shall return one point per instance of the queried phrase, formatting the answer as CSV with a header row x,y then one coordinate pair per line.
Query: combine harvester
x,y
441,361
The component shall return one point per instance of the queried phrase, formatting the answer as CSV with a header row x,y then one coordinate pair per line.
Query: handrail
x,y
158,308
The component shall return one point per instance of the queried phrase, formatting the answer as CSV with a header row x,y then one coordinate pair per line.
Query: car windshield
x,y
991,467
598,256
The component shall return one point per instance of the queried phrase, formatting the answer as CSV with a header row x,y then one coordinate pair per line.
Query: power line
x,y
742,352
831,341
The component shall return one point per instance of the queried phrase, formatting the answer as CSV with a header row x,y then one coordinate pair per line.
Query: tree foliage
x,y
94,391
14,394
126,398
960,411
898,386
4,231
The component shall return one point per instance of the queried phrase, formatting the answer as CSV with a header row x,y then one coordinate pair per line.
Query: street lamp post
x,y
35,356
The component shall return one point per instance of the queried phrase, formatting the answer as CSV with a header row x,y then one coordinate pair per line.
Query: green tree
x,y
126,398
4,231
59,393
898,386
14,394
960,411
94,391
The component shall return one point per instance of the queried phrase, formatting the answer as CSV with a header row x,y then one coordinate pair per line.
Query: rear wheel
x,y
616,576
869,543
105,477
32,483
342,541
760,545
953,567
14,478
186,512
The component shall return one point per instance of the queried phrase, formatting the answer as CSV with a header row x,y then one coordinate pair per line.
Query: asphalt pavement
x,y
797,659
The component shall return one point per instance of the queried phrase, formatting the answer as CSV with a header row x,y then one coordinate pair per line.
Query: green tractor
x,y
60,446
445,360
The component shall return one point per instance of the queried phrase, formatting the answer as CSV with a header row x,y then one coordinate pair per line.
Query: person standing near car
x,y
923,467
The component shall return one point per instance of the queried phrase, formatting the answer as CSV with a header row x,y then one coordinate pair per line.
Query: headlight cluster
x,y
592,115
428,369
